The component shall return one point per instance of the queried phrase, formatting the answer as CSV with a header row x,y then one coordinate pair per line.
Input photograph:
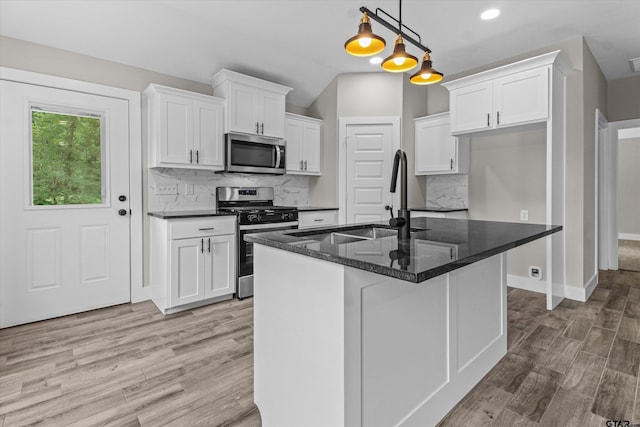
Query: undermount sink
x,y
348,236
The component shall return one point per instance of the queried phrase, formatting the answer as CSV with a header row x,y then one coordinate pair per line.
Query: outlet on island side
x,y
524,215
535,272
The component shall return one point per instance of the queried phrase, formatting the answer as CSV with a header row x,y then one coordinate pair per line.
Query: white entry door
x,y
370,148
64,213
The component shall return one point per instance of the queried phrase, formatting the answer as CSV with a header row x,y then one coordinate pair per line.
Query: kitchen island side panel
x,y
298,339
343,347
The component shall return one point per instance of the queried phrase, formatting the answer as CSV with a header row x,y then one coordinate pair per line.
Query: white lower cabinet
x,y
321,218
193,261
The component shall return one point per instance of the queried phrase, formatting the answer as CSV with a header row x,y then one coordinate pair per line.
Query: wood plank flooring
x,y
129,365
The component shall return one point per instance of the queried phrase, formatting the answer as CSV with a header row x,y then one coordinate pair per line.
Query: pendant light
x,y
365,43
399,61
426,75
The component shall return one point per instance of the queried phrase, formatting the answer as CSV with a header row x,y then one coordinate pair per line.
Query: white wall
x,y
507,174
628,186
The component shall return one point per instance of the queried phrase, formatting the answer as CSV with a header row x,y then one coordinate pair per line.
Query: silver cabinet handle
x,y
498,117
451,164
305,165
257,127
318,219
197,156
262,128
209,245
301,165
190,156
202,245
488,116
205,229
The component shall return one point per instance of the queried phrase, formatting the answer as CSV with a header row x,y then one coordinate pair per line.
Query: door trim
x,y
609,174
343,122
137,290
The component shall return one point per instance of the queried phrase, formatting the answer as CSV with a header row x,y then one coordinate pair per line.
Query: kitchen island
x,y
355,327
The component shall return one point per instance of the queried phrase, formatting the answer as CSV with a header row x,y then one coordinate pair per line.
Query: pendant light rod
x,y
397,28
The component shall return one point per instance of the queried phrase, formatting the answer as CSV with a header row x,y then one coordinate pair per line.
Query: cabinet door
x,y
176,136
471,108
311,149
435,147
243,113
209,134
219,267
293,136
187,271
271,107
522,97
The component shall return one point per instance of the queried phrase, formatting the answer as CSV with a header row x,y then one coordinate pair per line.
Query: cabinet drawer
x,y
213,226
317,218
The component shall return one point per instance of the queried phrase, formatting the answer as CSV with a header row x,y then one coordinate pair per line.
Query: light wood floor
x,y
129,365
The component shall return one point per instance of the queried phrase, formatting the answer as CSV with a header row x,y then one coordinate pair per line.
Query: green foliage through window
x,y
66,159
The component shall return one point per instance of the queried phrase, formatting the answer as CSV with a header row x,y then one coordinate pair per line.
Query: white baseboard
x,y
581,294
628,236
540,286
527,283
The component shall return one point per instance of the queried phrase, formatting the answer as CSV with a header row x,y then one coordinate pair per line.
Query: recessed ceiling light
x,y
490,14
376,60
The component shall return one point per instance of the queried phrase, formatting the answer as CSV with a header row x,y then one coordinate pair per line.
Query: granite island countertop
x,y
438,209
436,247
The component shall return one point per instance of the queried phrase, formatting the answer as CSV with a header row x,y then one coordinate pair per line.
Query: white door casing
x,y
367,147
57,260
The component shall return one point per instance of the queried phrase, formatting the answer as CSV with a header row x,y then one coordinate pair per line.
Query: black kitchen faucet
x,y
403,221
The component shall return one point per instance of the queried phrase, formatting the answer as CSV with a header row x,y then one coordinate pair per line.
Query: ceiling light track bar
x,y
399,25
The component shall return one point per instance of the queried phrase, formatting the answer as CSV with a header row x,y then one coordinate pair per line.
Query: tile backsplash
x,y
448,191
197,188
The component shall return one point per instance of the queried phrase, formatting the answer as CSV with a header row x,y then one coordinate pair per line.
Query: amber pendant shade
x,y
426,75
399,61
365,43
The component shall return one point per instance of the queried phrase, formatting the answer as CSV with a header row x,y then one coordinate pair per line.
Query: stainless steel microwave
x,y
254,154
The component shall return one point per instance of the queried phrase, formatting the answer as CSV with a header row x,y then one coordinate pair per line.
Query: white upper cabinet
x,y
436,150
303,137
185,129
254,106
512,95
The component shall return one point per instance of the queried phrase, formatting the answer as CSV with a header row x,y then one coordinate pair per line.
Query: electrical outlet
x,y
166,189
524,215
187,189
535,272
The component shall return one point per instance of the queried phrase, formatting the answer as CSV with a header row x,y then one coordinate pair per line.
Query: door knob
x,y
122,198
122,212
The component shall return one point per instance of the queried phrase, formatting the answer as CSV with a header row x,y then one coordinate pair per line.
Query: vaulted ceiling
x,y
299,43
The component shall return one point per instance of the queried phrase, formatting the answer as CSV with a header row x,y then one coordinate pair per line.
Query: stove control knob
x,y
252,217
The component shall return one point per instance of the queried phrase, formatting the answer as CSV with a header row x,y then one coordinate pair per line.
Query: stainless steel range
x,y
256,214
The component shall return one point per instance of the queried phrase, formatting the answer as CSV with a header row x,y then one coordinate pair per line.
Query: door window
x,y
67,158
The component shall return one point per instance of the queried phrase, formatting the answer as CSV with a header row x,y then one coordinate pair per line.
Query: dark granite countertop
x,y
315,208
437,245
438,209
188,214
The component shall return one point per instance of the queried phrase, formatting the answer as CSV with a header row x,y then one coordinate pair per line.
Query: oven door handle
x,y
269,225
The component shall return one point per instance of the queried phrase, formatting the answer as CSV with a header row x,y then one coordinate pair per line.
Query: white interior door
x,y
64,217
370,148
